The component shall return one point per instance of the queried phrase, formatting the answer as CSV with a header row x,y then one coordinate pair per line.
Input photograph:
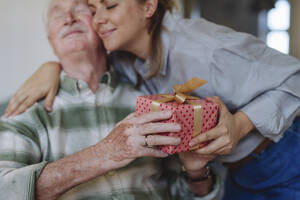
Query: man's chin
x,y
72,49
74,45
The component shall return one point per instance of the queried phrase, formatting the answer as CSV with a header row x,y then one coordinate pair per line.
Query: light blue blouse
x,y
240,69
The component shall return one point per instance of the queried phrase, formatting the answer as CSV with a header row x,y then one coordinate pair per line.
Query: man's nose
x,y
70,19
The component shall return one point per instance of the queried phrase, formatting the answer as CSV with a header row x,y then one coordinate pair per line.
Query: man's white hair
x,y
46,11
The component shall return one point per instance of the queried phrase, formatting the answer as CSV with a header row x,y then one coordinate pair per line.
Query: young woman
x,y
259,86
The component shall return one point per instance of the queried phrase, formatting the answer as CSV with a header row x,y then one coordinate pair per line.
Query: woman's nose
x,y
100,17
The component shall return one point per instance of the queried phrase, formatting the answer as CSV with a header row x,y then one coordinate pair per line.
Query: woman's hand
x,y
194,162
43,83
226,135
195,169
136,136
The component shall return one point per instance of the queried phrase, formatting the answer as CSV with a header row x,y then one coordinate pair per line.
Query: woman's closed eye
x,y
111,6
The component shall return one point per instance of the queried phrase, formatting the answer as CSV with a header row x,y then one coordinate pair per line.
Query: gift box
x,y
195,116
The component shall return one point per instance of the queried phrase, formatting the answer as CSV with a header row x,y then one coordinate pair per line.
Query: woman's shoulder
x,y
186,36
200,33
197,29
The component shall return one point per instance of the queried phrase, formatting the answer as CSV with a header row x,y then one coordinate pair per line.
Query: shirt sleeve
x,y
272,113
20,161
258,80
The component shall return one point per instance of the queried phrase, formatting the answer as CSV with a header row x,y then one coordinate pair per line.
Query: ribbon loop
x,y
181,91
189,86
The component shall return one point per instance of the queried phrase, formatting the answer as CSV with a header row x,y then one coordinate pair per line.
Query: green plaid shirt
x,y
80,119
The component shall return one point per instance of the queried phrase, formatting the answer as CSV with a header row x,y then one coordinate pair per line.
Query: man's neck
x,y
86,67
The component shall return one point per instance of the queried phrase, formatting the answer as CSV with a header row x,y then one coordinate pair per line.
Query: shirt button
x,y
81,85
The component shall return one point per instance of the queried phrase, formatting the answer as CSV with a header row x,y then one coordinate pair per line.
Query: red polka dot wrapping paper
x,y
184,115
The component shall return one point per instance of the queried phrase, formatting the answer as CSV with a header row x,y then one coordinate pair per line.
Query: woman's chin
x,y
110,46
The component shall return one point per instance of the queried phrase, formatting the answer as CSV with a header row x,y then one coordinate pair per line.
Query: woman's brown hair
x,y
155,29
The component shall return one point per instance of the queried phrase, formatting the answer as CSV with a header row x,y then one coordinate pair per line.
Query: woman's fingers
x,y
22,107
17,106
27,103
223,151
151,117
15,103
50,100
207,136
212,147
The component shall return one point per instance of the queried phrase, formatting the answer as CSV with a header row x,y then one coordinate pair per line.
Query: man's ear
x,y
150,7
51,44
50,40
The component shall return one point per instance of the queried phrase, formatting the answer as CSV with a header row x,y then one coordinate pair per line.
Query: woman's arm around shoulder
x,y
43,83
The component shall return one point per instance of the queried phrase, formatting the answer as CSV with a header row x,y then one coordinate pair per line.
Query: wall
x,y
23,42
232,13
295,29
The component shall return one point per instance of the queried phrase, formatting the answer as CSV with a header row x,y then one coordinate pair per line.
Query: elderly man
x,y
74,152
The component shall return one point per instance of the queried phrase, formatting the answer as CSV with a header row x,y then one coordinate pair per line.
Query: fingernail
x,y
167,112
178,141
178,126
192,143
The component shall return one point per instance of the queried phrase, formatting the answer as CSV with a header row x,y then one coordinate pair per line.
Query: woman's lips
x,y
107,33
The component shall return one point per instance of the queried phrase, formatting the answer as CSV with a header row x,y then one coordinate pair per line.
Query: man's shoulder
x,y
35,108
27,122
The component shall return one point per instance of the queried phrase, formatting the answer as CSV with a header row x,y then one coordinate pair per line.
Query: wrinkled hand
x,y
228,132
43,83
129,139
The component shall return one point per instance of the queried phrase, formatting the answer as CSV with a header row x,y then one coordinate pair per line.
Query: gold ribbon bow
x,y
181,96
181,92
